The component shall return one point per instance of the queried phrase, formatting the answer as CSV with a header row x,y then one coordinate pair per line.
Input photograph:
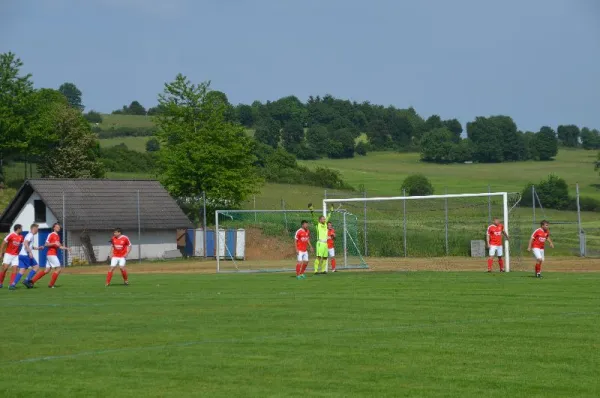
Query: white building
x,y
90,209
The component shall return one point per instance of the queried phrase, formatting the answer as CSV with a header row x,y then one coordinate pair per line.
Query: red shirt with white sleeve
x,y
495,234
539,238
53,241
13,243
302,238
120,246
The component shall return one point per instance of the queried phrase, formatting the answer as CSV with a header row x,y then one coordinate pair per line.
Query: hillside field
x,y
115,121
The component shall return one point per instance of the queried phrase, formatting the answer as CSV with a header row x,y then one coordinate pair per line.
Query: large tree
x,y
546,144
568,135
73,95
454,126
268,131
293,135
200,150
487,140
75,153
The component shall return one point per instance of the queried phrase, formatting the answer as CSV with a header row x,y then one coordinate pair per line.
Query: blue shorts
x,y
26,262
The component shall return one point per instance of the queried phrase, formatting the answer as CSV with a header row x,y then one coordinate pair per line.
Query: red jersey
x,y
13,242
302,238
330,243
495,233
54,241
539,238
120,246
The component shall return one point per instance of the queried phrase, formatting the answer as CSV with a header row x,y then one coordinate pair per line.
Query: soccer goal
x,y
263,240
433,232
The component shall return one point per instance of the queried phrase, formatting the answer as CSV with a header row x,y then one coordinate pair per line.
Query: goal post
x,y
268,240
470,211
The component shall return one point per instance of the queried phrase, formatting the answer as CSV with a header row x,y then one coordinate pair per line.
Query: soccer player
x,y
26,259
322,252
121,246
331,245
537,243
302,244
494,235
12,245
52,262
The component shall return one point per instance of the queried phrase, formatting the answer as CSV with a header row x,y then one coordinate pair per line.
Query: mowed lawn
x,y
348,334
133,143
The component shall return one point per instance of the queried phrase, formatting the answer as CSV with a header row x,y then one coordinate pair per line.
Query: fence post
x,y
404,221
64,228
254,200
345,241
446,220
204,222
325,194
139,228
284,214
365,223
581,233
533,205
489,205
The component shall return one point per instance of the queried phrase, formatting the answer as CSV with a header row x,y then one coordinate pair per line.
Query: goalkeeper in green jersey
x,y
322,252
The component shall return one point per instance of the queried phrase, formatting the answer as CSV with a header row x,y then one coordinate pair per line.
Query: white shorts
x,y
120,261
11,259
331,252
538,253
52,262
302,256
496,251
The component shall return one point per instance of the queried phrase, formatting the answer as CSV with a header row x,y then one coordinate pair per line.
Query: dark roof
x,y
94,204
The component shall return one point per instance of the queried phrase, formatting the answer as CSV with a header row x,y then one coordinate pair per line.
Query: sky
x,y
535,60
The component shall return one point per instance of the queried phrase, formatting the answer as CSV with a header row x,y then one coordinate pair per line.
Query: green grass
x,y
116,121
133,143
349,334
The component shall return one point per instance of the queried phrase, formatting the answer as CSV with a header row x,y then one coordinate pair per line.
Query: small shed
x,y
90,209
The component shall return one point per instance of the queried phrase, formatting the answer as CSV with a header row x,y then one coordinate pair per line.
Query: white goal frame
x,y
505,209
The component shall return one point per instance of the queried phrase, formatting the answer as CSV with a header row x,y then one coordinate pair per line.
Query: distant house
x,y
91,209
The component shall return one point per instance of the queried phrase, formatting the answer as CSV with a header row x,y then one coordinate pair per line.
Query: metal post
x,y
217,248
255,215
533,204
365,223
139,228
325,194
64,229
489,205
446,221
284,214
204,222
579,227
404,222
345,241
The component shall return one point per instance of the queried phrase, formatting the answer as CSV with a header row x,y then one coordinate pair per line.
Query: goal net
x,y
436,232
263,240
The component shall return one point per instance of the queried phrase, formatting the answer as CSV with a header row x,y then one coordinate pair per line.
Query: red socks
x,y
38,276
2,276
490,264
298,269
538,268
304,267
54,278
108,277
333,264
501,263
124,274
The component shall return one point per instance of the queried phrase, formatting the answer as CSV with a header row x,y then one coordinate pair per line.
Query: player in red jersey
x,y
302,238
52,262
121,246
11,245
331,245
494,235
537,243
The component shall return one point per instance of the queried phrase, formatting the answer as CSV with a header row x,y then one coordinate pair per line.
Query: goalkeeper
x,y
322,252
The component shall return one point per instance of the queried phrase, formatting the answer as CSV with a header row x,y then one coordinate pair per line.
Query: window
x,y
39,209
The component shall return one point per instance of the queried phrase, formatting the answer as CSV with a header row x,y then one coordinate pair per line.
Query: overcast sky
x,y
535,60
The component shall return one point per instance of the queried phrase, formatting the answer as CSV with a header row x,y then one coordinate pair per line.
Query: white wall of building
x,y
153,244
26,216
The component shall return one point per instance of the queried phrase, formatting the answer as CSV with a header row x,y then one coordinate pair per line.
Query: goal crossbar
x,y
505,209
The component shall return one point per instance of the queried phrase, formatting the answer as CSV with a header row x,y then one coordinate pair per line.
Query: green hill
x,y
116,121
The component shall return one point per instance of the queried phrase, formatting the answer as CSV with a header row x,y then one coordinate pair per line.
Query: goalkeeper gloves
x,y
310,207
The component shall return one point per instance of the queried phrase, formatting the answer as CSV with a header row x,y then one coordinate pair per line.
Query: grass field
x,y
110,121
372,334
133,143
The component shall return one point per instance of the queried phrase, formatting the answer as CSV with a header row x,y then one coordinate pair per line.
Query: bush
x,y
152,145
122,159
126,132
93,117
553,193
417,185
585,204
361,149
